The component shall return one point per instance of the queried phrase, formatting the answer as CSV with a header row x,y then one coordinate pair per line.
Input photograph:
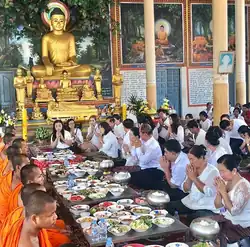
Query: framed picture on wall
x,y
226,62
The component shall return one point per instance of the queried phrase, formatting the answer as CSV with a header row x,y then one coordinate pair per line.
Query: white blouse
x,y
78,136
213,156
179,136
239,196
206,124
95,139
62,145
198,200
110,145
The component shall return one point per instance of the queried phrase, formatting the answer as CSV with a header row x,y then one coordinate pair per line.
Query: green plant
x,y
135,104
42,133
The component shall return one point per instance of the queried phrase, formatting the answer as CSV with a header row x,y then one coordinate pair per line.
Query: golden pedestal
x,y
67,95
44,95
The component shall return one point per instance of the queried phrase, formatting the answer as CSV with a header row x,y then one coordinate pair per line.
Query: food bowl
x,y
157,198
140,226
122,177
163,222
92,172
77,198
204,229
102,214
112,222
67,194
85,222
80,187
119,230
125,202
79,172
118,214
116,191
127,220
159,213
175,244
112,186
106,164
115,208
146,217
138,211
78,209
61,188
95,196
107,204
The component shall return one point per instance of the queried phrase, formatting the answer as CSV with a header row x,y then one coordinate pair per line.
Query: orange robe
x,y
12,237
5,193
3,165
2,145
13,199
55,237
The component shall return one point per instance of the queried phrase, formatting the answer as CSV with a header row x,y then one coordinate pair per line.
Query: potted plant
x,y
42,134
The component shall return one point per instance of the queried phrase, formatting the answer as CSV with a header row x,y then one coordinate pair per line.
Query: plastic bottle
x,y
66,162
103,229
95,236
71,182
50,156
176,215
109,243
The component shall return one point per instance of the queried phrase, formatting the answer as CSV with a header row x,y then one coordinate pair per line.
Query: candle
x,y
25,124
124,111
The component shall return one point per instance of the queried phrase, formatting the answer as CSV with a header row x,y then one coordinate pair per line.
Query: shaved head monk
x,y
7,141
21,144
10,183
29,174
40,213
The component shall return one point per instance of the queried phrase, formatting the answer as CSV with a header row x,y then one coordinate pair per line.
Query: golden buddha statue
x,y
66,92
117,81
98,84
43,94
37,114
58,51
88,92
20,85
162,36
29,80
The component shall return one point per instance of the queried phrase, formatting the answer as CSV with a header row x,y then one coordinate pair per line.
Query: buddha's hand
x,y
64,64
49,69
73,63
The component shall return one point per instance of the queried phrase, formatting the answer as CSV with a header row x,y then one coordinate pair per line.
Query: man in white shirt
x,y
148,152
118,128
199,134
174,163
205,122
231,130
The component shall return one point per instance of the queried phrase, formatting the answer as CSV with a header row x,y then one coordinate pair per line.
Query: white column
x,y
240,51
149,23
220,43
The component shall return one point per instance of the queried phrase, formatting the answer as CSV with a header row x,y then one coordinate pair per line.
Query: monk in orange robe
x,y
10,183
22,145
40,214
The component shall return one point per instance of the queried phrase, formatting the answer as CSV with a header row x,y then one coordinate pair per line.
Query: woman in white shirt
x,y
233,194
61,138
176,131
199,183
108,141
205,122
237,114
215,151
76,133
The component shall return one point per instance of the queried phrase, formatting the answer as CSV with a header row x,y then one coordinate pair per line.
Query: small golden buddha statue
x,y
58,51
43,94
29,80
162,36
117,81
37,114
66,92
88,92
20,85
98,84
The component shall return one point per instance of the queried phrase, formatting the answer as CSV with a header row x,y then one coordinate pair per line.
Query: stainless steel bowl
x,y
106,164
157,198
122,177
204,229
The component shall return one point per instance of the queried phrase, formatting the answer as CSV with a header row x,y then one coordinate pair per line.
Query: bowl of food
x,y
142,201
146,217
95,196
80,187
78,209
106,164
122,177
107,204
80,180
119,230
78,172
159,213
118,214
157,198
115,208
163,221
77,198
67,194
92,172
112,222
140,225
125,202
61,173
178,244
61,188
85,222
112,186
138,211
101,190
116,191
127,220
102,214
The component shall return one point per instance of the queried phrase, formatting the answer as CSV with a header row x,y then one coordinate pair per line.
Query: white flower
x,y
2,111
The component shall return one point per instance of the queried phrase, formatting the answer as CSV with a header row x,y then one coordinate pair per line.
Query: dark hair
x,y
176,122
27,190
246,105
8,138
54,129
237,109
117,117
93,116
199,151
68,121
173,146
189,115
146,129
163,110
27,173
12,151
18,142
111,119
217,130
224,124
37,203
57,11
106,127
204,114
212,138
192,124
144,118
209,103
135,131
244,129
18,160
229,161
128,123
224,116
9,129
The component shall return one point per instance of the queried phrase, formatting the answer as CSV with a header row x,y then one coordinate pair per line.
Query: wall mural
x,y
202,32
168,33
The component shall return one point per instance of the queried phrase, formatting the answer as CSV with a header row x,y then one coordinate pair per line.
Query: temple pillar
x,y
240,28
149,31
220,43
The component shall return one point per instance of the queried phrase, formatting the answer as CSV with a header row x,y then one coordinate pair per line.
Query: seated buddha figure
x,y
58,51
162,36
66,92
43,94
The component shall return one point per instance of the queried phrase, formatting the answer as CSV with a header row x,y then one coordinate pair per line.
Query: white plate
x,y
80,187
169,222
133,210
176,244
102,214
159,213
125,202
